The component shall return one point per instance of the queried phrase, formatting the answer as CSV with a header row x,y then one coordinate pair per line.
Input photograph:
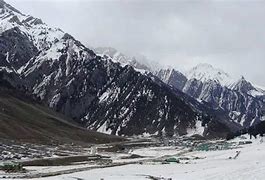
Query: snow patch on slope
x,y
104,129
198,129
256,93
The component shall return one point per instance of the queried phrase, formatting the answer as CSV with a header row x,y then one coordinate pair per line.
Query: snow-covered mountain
x,y
242,101
138,62
96,91
205,72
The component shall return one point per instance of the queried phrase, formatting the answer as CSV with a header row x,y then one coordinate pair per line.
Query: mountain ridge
x,y
242,101
23,118
95,91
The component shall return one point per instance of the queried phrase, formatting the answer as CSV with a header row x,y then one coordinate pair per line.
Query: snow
x,y
103,129
234,114
206,72
7,57
41,34
260,88
139,62
104,96
47,169
55,100
156,151
114,55
199,129
5,17
166,74
110,95
142,71
53,51
256,93
210,165
153,65
39,88
8,70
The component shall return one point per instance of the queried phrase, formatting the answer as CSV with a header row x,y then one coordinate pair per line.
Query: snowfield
x,y
245,161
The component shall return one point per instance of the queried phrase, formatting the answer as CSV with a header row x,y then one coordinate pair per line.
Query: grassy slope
x,y
25,120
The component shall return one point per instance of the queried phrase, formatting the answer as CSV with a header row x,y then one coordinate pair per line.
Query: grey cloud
x,y
227,34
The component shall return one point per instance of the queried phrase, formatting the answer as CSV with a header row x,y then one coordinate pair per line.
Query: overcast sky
x,y
227,34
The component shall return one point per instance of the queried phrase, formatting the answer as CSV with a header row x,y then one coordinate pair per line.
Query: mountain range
x,y
106,91
242,101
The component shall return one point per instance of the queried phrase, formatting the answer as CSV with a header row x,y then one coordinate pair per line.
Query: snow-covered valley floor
x,y
239,160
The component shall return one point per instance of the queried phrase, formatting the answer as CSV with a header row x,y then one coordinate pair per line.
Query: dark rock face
x,y
243,86
10,79
193,88
258,129
172,77
15,48
254,130
137,105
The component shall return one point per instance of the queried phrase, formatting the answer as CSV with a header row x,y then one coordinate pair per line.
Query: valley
x,y
74,112
150,158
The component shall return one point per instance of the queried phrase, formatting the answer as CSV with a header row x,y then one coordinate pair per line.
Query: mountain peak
x,y
4,6
242,85
42,35
205,72
242,78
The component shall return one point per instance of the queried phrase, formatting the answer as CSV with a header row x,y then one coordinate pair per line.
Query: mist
x,y
181,34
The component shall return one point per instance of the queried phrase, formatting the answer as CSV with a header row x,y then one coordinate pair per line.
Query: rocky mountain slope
x,y
93,90
242,101
24,119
